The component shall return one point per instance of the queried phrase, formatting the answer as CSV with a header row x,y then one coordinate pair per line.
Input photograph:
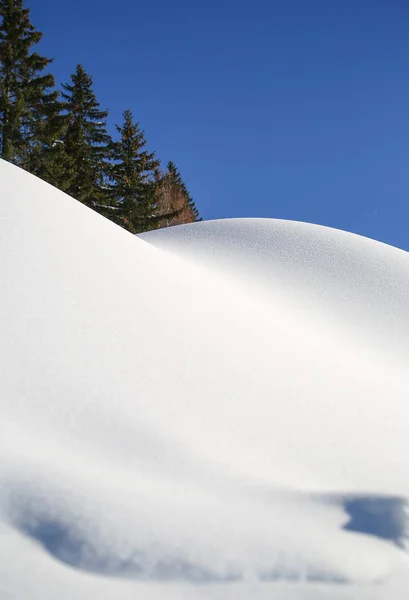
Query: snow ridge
x,y
222,403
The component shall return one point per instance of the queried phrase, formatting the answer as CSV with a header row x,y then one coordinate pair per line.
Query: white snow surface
x,y
214,411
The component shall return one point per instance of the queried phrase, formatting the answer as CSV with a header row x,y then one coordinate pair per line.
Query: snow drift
x,y
219,410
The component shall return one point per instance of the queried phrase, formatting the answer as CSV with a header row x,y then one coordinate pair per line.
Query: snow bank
x,y
223,403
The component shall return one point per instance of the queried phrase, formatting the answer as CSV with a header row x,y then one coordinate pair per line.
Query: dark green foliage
x,y
52,164
86,140
133,178
28,101
179,181
49,159
193,213
174,200
194,209
63,139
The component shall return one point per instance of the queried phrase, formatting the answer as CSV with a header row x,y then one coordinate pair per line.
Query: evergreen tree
x,y
193,208
53,164
28,100
192,213
174,199
49,159
86,141
133,176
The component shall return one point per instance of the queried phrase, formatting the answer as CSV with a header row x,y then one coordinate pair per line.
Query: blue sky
x,y
296,109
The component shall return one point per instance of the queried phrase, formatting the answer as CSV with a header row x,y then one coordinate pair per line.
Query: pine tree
x,y
51,163
49,159
133,176
28,100
192,207
192,214
174,199
86,140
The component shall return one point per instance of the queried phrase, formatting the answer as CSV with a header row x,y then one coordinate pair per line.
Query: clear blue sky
x,y
297,109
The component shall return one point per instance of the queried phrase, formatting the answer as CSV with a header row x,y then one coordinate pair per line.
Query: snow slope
x,y
215,411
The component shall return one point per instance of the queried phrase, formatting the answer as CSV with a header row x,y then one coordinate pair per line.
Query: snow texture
x,y
213,411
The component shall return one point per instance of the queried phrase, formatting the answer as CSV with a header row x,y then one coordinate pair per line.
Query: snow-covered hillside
x,y
216,411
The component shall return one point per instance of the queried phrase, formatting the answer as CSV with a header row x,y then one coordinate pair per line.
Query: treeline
x,y
62,137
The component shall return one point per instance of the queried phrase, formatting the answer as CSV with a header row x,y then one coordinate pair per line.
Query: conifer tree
x,y
174,199
53,164
49,159
192,206
86,140
192,213
28,100
133,176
